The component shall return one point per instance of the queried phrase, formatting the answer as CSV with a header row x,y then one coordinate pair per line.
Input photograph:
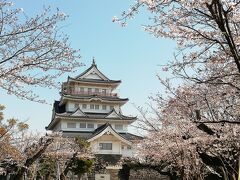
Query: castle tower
x,y
89,108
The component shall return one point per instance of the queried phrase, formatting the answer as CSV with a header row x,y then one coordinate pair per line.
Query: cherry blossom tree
x,y
206,33
10,130
200,116
23,153
19,150
190,142
48,156
199,131
33,50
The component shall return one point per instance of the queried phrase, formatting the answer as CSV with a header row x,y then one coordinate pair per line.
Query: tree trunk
x,y
32,159
19,175
173,176
79,176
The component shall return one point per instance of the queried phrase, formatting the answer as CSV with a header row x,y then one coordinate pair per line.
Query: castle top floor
x,y
90,82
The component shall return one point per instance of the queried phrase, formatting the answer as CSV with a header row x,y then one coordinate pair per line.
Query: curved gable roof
x,y
113,114
78,112
94,71
107,128
93,98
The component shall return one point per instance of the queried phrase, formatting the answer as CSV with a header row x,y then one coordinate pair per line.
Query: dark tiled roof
x,y
84,135
131,137
59,109
96,80
79,110
127,136
88,135
92,66
96,116
120,115
78,78
108,98
100,129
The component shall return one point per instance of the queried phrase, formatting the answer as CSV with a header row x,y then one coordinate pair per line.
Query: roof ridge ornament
x,y
93,62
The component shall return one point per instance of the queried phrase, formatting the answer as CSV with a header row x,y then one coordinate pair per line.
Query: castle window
x,y
71,89
91,106
118,126
71,125
104,107
82,125
90,126
96,106
84,106
82,89
96,90
105,146
104,91
111,107
76,106
89,90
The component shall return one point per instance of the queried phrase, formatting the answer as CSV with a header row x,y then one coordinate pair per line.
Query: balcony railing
x,y
76,92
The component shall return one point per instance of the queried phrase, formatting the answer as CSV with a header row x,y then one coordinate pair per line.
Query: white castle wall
x,y
72,106
63,126
117,146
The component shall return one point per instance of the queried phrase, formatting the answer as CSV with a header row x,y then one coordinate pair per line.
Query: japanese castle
x,y
89,108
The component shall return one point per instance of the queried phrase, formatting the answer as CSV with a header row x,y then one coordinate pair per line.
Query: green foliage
x,y
47,166
81,143
81,165
124,173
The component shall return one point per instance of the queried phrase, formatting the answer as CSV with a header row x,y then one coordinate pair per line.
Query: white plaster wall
x,y
125,127
100,110
117,108
92,76
63,126
70,106
116,145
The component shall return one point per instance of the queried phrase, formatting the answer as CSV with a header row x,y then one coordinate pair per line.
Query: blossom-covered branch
x,y
33,50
